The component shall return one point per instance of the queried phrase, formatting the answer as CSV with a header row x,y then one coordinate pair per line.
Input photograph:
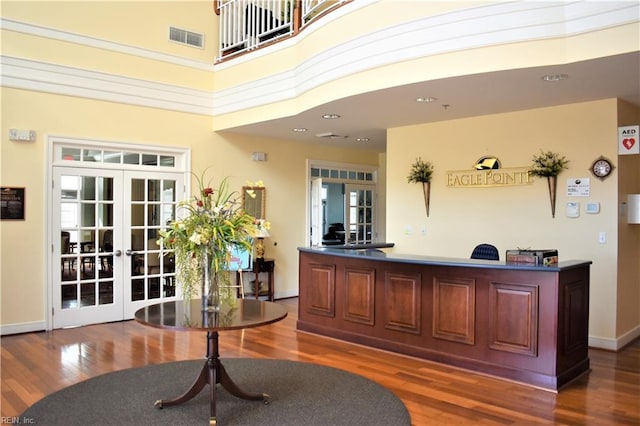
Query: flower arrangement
x,y
215,223
421,171
548,164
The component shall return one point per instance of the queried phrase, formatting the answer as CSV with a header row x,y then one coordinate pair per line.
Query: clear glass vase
x,y
210,288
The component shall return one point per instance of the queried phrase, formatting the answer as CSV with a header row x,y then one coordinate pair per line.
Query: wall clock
x,y
601,168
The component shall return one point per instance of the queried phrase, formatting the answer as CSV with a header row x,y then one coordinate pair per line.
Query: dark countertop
x,y
360,246
440,261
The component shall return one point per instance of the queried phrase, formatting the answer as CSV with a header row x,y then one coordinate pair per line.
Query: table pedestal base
x,y
212,372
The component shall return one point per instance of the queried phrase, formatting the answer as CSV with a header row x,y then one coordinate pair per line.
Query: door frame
x,y
54,143
379,227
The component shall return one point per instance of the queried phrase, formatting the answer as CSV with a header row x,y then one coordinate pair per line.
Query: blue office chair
x,y
485,251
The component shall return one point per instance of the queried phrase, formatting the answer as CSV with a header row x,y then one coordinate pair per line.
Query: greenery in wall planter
x,y
421,172
549,165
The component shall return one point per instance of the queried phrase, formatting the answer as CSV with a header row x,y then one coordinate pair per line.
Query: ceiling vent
x,y
330,135
186,37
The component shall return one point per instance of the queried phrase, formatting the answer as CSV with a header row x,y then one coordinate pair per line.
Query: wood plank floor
x,y
34,365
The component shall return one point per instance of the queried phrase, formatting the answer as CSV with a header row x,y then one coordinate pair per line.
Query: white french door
x,y
359,215
107,263
316,212
149,270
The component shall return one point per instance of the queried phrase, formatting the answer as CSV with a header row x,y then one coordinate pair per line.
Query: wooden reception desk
x,y
519,322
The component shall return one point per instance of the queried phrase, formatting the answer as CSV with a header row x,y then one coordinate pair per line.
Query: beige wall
x,y
143,24
517,216
136,48
24,275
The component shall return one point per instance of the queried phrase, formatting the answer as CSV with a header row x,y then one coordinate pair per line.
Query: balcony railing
x,y
246,25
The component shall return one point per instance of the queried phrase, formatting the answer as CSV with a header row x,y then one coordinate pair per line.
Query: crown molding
x,y
21,73
39,31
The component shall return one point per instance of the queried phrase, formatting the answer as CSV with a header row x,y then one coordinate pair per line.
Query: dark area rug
x,y
300,394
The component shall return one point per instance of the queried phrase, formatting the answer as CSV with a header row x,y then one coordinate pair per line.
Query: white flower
x,y
196,238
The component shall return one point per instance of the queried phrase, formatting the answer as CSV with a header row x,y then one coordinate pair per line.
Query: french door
x,y
107,263
359,215
357,197
317,214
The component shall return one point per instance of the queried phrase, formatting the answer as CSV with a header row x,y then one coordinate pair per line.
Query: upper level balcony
x,y
246,25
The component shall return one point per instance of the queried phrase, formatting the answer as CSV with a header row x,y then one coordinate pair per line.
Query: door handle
x,y
118,253
129,252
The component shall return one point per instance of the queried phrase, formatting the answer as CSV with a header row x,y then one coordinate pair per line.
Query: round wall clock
x,y
601,168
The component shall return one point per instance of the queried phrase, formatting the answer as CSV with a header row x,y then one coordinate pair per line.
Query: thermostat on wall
x,y
592,208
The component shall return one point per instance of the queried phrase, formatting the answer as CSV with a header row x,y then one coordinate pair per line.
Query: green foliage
x,y
214,224
548,164
421,171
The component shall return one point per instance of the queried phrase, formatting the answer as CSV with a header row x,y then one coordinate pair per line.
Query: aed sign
x,y
628,140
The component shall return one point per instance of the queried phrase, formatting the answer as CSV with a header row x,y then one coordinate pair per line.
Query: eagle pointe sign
x,y
487,173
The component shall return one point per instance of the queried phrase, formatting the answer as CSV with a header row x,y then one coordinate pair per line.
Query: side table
x,y
187,316
266,266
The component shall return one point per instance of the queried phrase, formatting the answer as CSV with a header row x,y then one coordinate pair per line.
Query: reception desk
x,y
519,322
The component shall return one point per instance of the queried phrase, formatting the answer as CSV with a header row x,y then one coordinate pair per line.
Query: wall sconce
x,y
633,208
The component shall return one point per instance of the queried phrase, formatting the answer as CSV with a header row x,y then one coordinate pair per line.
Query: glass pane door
x,y
317,217
150,269
87,288
360,214
106,260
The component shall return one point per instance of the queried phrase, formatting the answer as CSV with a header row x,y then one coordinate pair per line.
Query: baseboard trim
x,y
286,294
615,344
25,327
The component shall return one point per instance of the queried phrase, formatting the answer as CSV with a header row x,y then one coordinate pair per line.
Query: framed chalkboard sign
x,y
11,203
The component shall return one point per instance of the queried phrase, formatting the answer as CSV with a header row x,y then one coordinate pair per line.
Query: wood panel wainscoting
x,y
519,322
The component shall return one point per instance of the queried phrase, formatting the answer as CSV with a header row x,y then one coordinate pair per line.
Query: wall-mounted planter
x,y
426,187
421,172
549,165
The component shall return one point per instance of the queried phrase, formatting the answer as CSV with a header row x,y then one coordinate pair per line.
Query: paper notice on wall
x,y
628,140
579,187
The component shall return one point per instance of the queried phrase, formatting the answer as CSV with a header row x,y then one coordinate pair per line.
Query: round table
x,y
188,316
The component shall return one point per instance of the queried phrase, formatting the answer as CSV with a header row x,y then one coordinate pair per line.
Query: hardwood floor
x,y
37,364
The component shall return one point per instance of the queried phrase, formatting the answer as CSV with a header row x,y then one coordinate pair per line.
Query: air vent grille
x,y
186,37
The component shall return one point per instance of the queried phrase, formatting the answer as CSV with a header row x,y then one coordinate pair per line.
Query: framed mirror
x,y
255,206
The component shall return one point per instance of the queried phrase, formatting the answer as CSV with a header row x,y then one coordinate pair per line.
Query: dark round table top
x,y
188,315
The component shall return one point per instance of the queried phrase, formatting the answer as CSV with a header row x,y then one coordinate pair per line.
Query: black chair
x,y
485,251
335,236
65,248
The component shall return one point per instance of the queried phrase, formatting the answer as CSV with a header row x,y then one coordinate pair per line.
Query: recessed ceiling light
x,y
299,129
555,77
330,116
362,139
426,100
